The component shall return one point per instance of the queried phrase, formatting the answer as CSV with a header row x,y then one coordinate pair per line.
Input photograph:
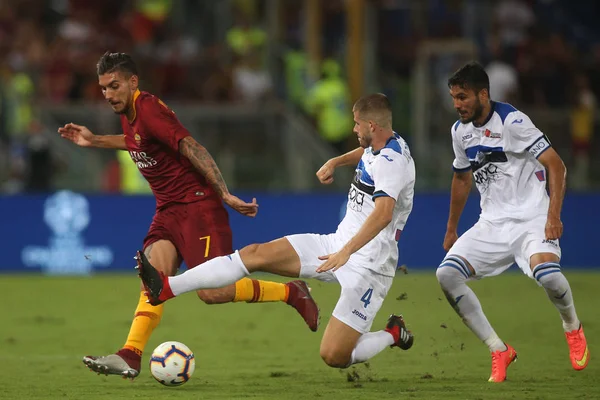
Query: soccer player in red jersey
x,y
190,223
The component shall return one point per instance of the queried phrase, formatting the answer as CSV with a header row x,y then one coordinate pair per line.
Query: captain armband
x,y
539,146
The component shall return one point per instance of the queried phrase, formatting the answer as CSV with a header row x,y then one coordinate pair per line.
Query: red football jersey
x,y
152,140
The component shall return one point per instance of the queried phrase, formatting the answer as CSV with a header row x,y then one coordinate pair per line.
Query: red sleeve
x,y
162,123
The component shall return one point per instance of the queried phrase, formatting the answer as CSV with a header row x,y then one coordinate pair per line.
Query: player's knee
x,y
209,297
254,257
250,250
448,276
335,358
453,270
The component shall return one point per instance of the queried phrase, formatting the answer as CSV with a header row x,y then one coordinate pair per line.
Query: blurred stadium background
x,y
267,86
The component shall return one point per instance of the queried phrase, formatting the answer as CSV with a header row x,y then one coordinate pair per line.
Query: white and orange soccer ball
x,y
172,363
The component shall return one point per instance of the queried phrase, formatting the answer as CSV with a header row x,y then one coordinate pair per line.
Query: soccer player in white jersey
x,y
362,255
511,162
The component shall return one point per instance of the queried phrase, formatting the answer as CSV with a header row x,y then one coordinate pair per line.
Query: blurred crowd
x,y
538,53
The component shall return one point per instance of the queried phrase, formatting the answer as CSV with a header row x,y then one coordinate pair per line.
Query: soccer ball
x,y
172,363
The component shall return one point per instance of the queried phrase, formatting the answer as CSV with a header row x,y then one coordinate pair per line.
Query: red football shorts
x,y
200,230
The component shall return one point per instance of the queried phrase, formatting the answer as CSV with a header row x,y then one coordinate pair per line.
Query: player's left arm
x,y
389,176
375,222
524,136
557,182
164,126
206,165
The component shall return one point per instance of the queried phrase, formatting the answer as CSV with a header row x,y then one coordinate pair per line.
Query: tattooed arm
x,y
205,164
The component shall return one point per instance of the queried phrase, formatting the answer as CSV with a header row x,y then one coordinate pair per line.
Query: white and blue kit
x,y
503,156
368,274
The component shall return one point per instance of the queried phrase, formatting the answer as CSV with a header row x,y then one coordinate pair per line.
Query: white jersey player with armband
x,y
511,162
361,255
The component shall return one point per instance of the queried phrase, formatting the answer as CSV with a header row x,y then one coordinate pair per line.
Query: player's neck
x,y
485,114
130,114
382,139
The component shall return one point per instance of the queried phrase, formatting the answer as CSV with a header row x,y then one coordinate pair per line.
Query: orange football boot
x,y
578,349
500,362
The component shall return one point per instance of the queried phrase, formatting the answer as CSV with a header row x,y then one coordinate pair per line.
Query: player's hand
x,y
449,239
239,205
554,228
80,135
325,173
334,261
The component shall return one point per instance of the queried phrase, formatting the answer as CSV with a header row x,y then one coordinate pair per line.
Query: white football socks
x,y
218,272
559,292
467,305
369,345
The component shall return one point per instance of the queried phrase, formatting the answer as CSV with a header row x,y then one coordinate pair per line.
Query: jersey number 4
x,y
366,298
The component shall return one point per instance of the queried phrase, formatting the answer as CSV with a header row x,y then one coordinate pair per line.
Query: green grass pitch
x,y
264,351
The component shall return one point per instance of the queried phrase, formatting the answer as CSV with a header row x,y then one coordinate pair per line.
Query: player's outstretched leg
x,y
225,268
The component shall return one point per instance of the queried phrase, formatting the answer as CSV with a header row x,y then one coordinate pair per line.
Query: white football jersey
x,y
387,172
502,153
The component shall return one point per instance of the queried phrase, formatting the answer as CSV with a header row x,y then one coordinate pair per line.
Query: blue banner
x,y
72,233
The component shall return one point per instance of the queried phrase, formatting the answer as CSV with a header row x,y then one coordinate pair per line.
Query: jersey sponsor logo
x,y
467,136
142,160
359,314
387,157
517,121
361,185
485,176
492,135
550,242
355,198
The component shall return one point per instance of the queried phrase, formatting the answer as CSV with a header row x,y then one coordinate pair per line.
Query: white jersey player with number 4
x,y
388,172
512,162
361,255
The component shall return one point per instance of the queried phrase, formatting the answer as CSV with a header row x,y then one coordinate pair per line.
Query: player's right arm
x,y
461,187
82,136
325,173
459,193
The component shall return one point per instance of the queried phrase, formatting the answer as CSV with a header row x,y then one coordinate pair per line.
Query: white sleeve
x,y
461,162
524,136
389,174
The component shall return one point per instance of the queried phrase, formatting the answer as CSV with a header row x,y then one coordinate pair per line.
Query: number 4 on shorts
x,y
366,298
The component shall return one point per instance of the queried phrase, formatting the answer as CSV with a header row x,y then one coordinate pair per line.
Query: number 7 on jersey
x,y
207,238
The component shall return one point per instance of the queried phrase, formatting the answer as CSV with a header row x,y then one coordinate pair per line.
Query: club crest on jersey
x,y
137,138
492,135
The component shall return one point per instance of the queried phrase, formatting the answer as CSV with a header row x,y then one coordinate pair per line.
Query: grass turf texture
x,y
264,351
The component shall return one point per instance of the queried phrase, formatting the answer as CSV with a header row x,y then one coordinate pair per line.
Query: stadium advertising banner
x,y
67,233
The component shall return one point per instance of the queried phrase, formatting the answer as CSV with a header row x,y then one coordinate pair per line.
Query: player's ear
x,y
134,82
484,94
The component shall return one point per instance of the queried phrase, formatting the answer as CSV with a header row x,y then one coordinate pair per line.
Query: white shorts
x,y
363,290
492,247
